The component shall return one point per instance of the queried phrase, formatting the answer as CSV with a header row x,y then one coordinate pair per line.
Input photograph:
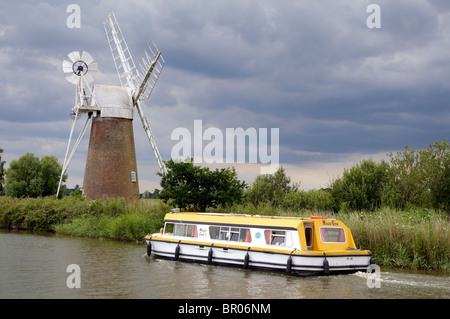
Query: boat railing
x,y
177,211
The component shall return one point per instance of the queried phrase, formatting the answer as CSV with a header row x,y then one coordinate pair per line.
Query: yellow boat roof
x,y
237,219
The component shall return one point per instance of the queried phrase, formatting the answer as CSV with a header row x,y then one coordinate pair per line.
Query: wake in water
x,y
431,286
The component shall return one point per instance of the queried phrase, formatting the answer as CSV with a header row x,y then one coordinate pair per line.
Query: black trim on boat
x,y
289,253
240,263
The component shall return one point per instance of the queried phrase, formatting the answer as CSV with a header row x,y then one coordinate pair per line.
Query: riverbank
x,y
413,239
109,219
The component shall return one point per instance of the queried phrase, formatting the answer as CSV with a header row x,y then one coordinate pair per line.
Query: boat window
x,y
214,232
332,235
191,230
275,237
184,230
230,233
179,230
224,233
234,234
168,228
245,235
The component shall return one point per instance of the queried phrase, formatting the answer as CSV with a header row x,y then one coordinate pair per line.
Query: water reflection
x,y
34,266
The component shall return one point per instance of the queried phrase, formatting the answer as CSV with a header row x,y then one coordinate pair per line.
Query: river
x,y
35,265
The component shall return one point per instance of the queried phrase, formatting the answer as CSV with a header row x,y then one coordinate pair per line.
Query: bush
x,y
132,224
270,188
420,178
196,188
361,187
83,217
38,213
413,178
30,176
312,200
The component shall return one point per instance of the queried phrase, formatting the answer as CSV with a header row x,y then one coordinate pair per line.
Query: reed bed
x,y
414,239
109,219
131,225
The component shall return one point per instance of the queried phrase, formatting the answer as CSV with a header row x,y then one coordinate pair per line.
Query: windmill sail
x,y
149,69
126,69
111,168
141,80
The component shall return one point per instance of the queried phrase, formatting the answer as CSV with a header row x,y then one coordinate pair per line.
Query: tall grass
x,y
111,219
134,222
415,238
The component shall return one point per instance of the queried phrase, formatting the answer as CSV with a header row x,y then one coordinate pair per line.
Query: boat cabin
x,y
305,234
314,245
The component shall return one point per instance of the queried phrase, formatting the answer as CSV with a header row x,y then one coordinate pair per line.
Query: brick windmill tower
x,y
111,169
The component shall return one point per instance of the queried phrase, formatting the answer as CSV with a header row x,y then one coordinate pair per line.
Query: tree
x,y
2,173
271,188
413,178
361,187
30,176
49,175
421,177
436,168
313,199
146,194
194,187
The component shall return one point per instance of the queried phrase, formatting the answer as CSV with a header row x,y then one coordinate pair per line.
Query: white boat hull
x,y
260,259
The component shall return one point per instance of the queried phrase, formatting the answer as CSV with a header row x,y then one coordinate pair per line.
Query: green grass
x,y
110,219
414,239
130,226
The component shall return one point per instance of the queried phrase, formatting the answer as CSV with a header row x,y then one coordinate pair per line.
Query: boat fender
x,y
177,251
326,266
371,262
246,259
149,248
210,255
289,264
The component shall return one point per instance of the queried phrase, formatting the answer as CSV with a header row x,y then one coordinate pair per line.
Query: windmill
x,y
79,70
111,168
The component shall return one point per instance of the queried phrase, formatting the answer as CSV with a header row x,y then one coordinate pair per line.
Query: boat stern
x,y
332,240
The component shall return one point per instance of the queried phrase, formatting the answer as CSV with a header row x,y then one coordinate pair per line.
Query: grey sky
x,y
338,91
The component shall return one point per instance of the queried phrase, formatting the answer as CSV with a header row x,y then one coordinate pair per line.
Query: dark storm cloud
x,y
311,68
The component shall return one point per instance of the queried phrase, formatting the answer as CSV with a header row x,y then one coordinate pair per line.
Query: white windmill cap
x,y
114,101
